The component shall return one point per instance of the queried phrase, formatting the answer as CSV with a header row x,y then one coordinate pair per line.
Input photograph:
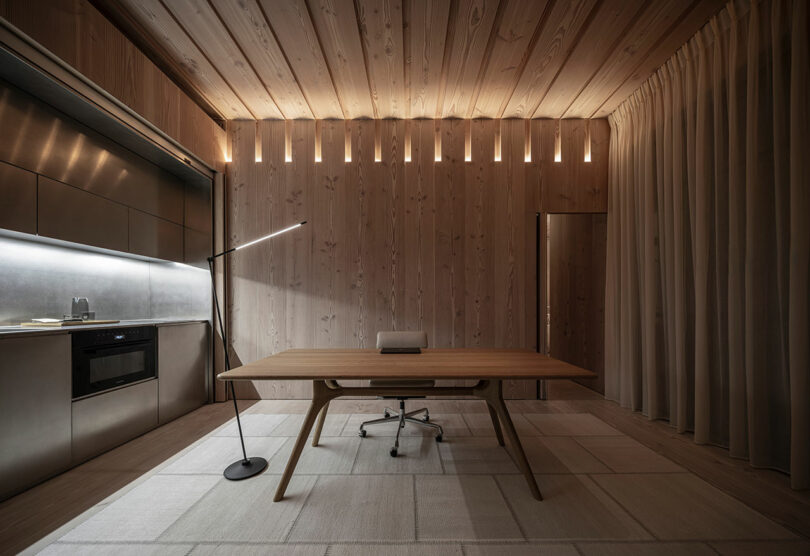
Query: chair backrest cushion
x,y
402,339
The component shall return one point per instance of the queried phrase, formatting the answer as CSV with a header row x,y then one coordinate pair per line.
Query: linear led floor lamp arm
x,y
246,467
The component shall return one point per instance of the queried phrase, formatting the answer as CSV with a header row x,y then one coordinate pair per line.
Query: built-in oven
x,y
112,357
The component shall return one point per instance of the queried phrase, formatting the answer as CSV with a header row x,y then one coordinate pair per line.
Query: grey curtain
x,y
707,307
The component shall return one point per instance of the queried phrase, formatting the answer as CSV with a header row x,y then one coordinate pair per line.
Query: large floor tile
x,y
680,506
242,511
259,550
625,455
357,509
462,507
570,424
758,548
480,424
215,453
332,426
521,549
568,451
415,455
252,425
143,513
418,549
646,549
541,458
475,454
333,455
573,507
452,424
100,549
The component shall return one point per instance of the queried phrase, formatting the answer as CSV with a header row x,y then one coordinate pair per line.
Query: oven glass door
x,y
103,367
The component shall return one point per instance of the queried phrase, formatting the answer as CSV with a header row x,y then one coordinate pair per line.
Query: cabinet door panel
x,y
182,369
155,237
65,212
18,190
35,390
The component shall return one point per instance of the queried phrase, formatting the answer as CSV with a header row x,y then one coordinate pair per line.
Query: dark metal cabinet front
x,y
182,368
34,410
154,237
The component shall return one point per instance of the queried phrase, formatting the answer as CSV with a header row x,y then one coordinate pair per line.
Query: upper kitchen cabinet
x,y
65,212
154,237
18,189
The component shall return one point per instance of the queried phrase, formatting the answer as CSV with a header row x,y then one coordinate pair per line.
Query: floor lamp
x,y
246,467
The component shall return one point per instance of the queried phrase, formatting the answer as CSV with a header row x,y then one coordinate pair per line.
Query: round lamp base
x,y
242,469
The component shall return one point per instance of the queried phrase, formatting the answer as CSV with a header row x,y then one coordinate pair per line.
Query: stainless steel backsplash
x,y
39,280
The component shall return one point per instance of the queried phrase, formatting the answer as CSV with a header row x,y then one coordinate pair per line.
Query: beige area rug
x,y
605,494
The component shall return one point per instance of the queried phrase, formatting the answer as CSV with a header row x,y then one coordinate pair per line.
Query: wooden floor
x,y
31,515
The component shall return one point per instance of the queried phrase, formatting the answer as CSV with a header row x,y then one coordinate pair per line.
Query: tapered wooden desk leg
x,y
319,427
320,398
494,416
493,394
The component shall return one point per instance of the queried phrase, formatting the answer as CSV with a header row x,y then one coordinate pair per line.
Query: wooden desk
x,y
325,367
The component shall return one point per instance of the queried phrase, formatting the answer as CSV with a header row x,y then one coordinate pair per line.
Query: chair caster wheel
x,y
426,418
439,438
393,452
362,434
386,414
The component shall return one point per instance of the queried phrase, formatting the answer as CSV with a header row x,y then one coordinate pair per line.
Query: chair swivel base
x,y
402,417
244,469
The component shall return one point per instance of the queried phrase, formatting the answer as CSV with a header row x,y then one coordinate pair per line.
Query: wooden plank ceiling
x,y
346,59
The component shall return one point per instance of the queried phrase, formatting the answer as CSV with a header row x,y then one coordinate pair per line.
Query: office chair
x,y
402,340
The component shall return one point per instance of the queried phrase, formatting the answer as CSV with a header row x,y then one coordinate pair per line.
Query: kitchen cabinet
x,y
18,189
109,419
154,237
35,390
182,369
65,212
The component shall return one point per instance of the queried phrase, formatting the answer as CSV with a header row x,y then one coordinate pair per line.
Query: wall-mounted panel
x,y
18,190
446,246
65,212
154,237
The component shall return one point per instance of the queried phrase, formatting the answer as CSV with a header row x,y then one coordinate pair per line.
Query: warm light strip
x,y
347,142
258,142
407,140
228,141
437,141
527,140
268,236
557,143
377,141
318,132
587,140
498,141
287,140
468,141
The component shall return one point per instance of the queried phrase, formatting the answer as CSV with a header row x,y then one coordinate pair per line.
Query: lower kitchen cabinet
x,y
35,390
182,369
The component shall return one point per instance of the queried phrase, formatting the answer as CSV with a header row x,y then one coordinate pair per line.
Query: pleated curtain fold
x,y
708,249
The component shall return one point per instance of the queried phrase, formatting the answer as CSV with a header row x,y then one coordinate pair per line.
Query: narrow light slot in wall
x,y
437,141
318,132
557,143
527,140
498,141
228,141
468,141
347,142
377,141
287,140
587,140
407,147
258,142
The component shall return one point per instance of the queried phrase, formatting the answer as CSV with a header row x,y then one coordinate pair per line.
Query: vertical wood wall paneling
x,y
447,247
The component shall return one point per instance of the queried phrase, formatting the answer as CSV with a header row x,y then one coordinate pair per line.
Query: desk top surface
x,y
456,363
